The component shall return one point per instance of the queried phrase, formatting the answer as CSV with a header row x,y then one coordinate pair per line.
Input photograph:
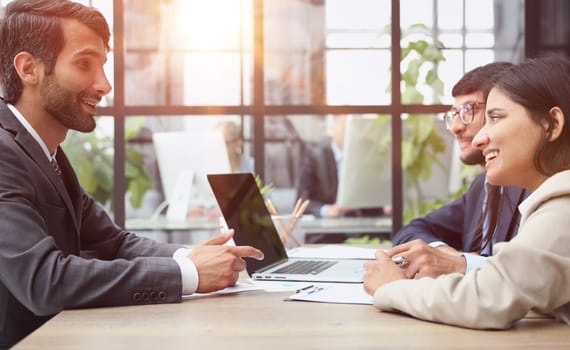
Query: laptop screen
x,y
244,210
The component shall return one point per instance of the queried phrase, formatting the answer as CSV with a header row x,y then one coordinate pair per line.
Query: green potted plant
x,y
91,155
422,143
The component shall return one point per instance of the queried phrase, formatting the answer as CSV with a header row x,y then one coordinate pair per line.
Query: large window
x,y
278,68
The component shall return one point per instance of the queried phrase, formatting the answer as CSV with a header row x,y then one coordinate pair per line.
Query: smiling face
x,y
509,141
464,133
71,92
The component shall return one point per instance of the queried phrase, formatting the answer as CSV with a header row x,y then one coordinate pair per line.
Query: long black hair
x,y
538,85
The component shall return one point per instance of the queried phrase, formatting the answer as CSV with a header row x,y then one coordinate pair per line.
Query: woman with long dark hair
x,y
526,143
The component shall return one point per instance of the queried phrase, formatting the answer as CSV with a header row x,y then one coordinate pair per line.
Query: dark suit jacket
x,y
319,180
46,225
454,223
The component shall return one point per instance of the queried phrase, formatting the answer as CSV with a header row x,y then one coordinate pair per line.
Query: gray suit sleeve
x,y
40,244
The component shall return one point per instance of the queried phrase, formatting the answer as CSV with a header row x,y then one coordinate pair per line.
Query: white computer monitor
x,y
365,176
184,158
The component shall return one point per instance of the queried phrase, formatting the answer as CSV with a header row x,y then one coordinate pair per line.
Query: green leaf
x,y
137,188
408,154
133,126
420,46
86,175
437,87
425,127
263,188
431,77
437,143
432,54
410,76
412,95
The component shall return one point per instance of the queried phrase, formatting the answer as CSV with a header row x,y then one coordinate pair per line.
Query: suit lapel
x,y
474,205
26,141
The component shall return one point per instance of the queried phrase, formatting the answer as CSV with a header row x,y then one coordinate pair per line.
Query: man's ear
x,y
27,67
558,122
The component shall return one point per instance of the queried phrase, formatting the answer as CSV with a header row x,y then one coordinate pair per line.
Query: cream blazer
x,y
531,272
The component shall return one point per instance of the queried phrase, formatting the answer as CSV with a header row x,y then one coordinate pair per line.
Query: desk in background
x,y
170,227
335,230
162,223
260,320
309,227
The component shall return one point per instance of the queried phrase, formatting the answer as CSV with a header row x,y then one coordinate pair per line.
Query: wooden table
x,y
260,320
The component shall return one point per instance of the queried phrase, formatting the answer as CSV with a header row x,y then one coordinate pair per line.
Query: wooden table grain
x,y
261,320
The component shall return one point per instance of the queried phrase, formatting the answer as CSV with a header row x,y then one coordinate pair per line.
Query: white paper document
x,y
281,286
338,293
238,288
249,285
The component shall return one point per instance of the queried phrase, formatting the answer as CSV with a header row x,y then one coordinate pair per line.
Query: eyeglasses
x,y
466,113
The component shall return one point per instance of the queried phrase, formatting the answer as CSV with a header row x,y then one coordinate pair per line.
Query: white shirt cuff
x,y
436,244
188,271
474,261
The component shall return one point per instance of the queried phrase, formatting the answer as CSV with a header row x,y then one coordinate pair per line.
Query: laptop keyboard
x,y
306,267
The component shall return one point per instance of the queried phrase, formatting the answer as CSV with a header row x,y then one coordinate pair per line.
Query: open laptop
x,y
244,210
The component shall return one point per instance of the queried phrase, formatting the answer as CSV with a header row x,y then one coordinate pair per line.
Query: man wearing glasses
x,y
458,236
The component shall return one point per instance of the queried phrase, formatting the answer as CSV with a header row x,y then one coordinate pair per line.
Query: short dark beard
x,y
65,106
475,158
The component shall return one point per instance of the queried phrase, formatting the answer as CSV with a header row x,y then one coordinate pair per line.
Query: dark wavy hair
x,y
479,79
35,26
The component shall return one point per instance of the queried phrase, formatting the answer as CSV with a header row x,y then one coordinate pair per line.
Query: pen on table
x,y
305,288
314,290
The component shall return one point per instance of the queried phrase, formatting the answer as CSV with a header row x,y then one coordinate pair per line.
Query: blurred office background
x,y
278,68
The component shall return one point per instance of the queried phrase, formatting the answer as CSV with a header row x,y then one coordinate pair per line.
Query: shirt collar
x,y
523,207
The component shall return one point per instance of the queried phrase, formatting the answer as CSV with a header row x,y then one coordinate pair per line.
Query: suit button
x,y
137,296
162,296
153,296
145,296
